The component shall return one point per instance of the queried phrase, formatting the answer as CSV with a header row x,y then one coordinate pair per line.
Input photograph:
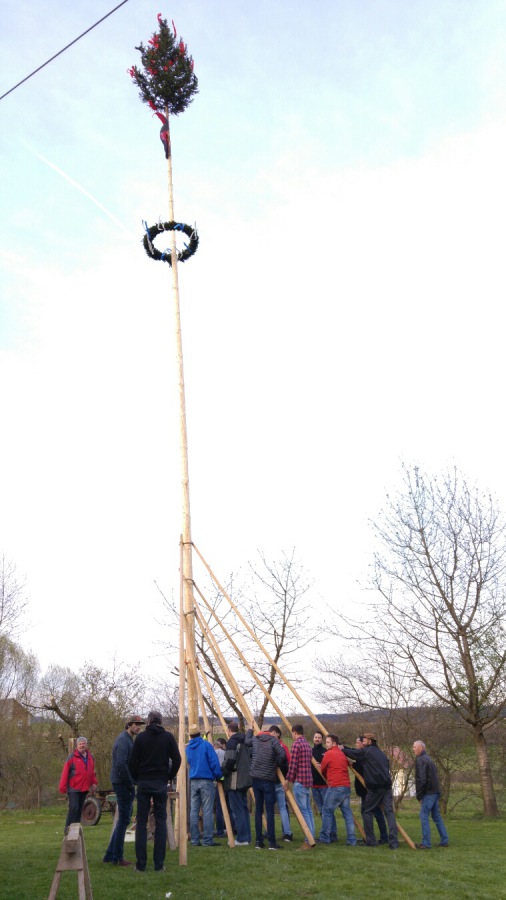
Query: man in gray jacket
x,y
267,755
124,788
428,792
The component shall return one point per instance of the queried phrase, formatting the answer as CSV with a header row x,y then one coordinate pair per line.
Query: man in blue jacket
x,y
205,768
124,787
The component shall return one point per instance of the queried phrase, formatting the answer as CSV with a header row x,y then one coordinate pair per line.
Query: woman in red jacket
x,y
78,777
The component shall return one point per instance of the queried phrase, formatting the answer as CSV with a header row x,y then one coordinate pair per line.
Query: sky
x,y
344,164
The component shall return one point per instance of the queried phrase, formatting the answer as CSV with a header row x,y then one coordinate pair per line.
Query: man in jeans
x,y
428,792
301,776
361,791
319,789
154,761
236,769
279,791
267,755
123,786
205,768
377,777
334,768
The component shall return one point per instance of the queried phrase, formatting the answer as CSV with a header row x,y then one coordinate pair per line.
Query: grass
x,y
474,866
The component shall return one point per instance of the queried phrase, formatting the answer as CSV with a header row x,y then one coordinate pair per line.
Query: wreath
x,y
166,256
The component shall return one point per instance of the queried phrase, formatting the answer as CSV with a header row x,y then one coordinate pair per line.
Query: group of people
x,y
148,764
318,774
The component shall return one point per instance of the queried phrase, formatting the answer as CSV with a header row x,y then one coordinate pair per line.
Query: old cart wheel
x,y
92,810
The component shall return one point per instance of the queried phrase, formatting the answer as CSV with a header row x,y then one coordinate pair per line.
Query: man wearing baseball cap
x,y
376,769
124,788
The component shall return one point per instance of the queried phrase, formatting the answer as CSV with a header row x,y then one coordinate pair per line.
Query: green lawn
x,y
474,866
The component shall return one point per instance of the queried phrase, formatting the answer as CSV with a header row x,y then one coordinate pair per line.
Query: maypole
x,y
167,85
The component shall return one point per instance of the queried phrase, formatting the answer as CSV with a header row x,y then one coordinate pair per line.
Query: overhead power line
x,y
63,49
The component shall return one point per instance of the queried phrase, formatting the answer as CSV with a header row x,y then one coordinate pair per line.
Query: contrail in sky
x,y
80,188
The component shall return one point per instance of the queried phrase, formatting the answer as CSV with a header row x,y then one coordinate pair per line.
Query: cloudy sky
x,y
344,164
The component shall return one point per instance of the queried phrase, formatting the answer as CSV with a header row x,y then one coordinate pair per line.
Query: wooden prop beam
x,y
291,798
220,716
221,792
206,631
186,549
259,644
181,826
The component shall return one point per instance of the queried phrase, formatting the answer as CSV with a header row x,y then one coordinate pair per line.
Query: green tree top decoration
x,y
166,80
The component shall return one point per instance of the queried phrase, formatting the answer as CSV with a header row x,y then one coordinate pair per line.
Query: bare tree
x,y
273,601
281,618
13,602
95,702
440,576
19,672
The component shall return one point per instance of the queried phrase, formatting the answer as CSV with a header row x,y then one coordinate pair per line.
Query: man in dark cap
x,y
361,791
155,761
124,788
376,770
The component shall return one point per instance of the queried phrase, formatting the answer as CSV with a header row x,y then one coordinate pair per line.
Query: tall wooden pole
x,y
188,602
181,806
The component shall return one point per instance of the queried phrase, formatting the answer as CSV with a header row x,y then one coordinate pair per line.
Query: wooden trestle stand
x,y
73,859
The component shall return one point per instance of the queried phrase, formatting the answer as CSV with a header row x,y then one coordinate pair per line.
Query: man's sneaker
x,y
242,843
259,845
438,845
160,869
275,847
422,847
288,837
139,870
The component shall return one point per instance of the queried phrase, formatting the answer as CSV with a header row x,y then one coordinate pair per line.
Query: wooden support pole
x,y
181,802
252,634
291,799
221,793
250,668
206,631
187,564
220,715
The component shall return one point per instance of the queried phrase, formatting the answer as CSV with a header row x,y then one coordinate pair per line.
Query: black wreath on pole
x,y
166,256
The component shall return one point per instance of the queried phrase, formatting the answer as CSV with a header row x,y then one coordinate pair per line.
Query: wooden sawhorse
x,y
73,859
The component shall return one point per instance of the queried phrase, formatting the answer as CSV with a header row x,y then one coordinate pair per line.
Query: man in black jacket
x,y
235,767
361,791
154,761
428,792
376,772
267,755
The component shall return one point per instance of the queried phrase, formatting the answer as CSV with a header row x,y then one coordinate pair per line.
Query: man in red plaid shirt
x,y
300,774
